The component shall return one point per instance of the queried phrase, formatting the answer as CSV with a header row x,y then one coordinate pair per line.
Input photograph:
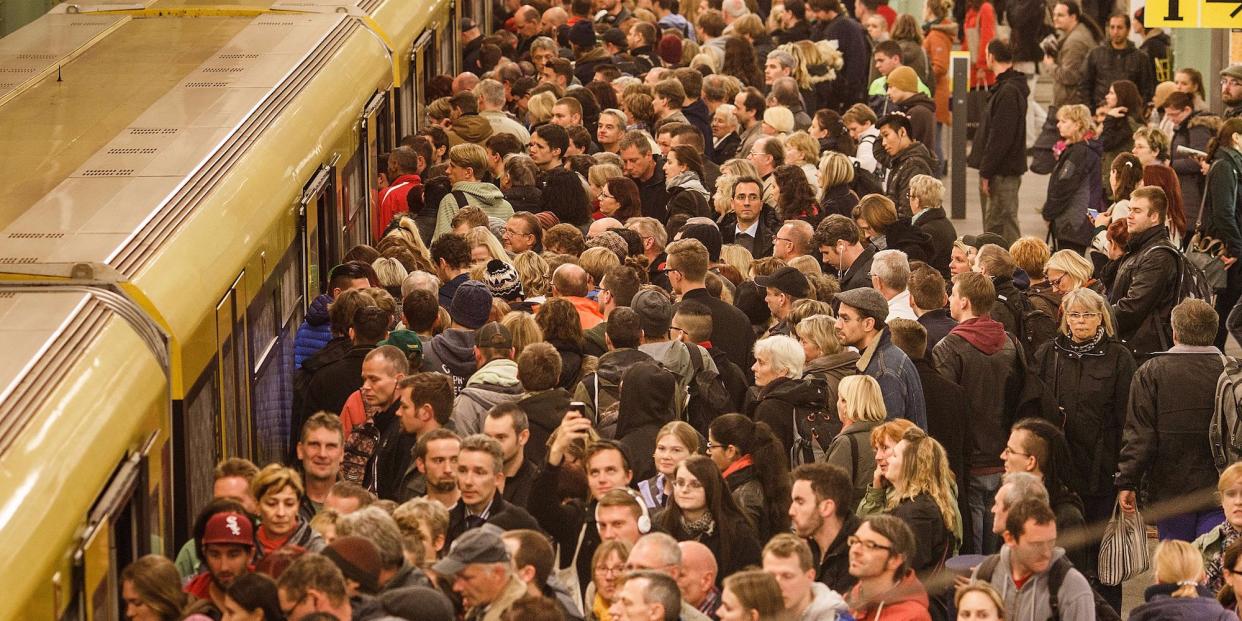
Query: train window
x,y
448,58
318,211
354,190
420,72
272,386
199,441
232,358
374,128
386,127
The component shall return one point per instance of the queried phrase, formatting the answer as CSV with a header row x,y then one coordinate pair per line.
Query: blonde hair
x,y
597,261
804,144
684,434
739,167
389,271
533,271
407,232
835,169
524,329
736,257
722,200
863,399
981,587
806,264
273,479
1076,268
482,236
1031,254
539,108
1178,562
599,174
1230,477
820,330
891,431
1078,114
750,26
928,189
1092,302
925,470
470,155
439,109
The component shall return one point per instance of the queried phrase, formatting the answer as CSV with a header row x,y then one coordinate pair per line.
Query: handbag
x,y
1123,550
1205,252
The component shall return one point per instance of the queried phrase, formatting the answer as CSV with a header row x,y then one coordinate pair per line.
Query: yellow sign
x,y
1194,13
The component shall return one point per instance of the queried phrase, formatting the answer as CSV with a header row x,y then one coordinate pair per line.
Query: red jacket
x,y
588,311
393,202
906,601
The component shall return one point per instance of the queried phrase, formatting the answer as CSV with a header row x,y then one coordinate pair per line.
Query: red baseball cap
x,y
229,527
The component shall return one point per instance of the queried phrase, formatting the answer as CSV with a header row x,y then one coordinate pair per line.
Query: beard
x,y
442,487
813,525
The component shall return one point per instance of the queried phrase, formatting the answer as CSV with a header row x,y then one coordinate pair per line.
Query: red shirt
x,y
393,202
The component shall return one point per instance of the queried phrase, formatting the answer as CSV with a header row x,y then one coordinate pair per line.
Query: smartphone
x,y
1094,213
579,407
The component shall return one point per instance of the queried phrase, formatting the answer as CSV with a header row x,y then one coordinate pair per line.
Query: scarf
x,y
1213,570
688,181
703,526
1078,350
745,462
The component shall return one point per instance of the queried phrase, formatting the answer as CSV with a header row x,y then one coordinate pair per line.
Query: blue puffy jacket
x,y
315,331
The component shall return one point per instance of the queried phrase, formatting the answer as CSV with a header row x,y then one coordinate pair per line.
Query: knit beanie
x,y
669,49
904,79
780,118
503,280
472,304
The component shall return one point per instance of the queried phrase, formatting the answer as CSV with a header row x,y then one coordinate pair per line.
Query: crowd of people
x,y
664,319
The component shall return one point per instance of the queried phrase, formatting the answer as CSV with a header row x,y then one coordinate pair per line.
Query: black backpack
x,y
358,464
1056,576
866,182
708,397
424,212
1026,394
1035,327
811,426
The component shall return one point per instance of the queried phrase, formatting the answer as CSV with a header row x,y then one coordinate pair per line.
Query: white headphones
x,y
644,518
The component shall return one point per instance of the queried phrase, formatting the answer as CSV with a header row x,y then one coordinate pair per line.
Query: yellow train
x,y
175,181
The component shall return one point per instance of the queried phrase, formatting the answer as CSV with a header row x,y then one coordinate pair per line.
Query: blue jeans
x,y
1188,526
980,496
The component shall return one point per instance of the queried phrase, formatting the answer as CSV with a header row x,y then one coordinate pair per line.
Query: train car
x,y
176,179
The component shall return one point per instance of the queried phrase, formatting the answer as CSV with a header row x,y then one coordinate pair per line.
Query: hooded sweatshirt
x,y
826,604
495,383
646,406
452,352
469,128
906,601
479,194
1031,602
986,334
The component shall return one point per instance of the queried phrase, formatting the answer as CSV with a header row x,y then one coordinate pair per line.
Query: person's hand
x,y
1117,113
1127,500
573,427
1228,260
877,479
1049,61
983,187
1204,166
1104,219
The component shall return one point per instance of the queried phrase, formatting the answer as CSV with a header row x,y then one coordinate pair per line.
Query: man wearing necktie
x,y
480,478
752,225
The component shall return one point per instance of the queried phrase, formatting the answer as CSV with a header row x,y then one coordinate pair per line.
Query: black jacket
x,y
1091,386
858,274
698,115
564,522
910,239
937,225
944,419
833,569
850,86
652,193
774,404
1027,27
731,331
726,150
838,199
914,160
765,235
959,361
922,112
544,410
1074,187
933,540
1142,295
330,386
500,512
1106,65
335,349
525,198
518,486
1165,441
1000,148
938,323
1193,133
394,455
646,406
743,550
590,60
1009,316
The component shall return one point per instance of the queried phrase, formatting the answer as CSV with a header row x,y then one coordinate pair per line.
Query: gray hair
x,y
1022,485
664,546
661,589
375,524
482,443
734,8
1090,301
784,353
892,268
617,114
785,90
729,111
490,92
785,59
420,280
543,43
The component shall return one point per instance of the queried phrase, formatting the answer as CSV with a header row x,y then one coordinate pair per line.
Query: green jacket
x,y
479,194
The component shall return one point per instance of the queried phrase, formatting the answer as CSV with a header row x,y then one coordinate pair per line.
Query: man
x,y
554,19
377,443
783,288
821,511
647,596
491,95
788,559
377,526
452,351
793,24
930,303
903,91
572,283
545,402
693,108
548,144
467,125
227,547
612,13
346,497
1015,487
1165,441
793,240
1231,90
694,323
1117,59
642,39
316,329
522,232
403,177
1142,296
426,403
1069,66
231,481
890,273
329,387
434,474
320,450
1000,147
767,155
860,323
732,10
660,553
507,424
480,475
1190,129
621,516
567,112
779,64
698,577
1030,558
785,92
749,107
616,289
450,254
667,98
313,584
495,382
834,24
666,11
611,128
481,573
978,347
533,562
647,171
879,554
467,166
601,390
358,558
888,57
845,251
909,158
588,53
655,315
996,263
526,23
687,264
752,224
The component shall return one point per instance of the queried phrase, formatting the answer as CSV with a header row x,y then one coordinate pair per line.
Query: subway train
x,y
176,180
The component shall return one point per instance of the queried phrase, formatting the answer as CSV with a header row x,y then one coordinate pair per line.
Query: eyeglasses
x,y
1080,316
869,546
1009,451
509,231
676,329
687,484
289,611
1230,82
784,239
1056,282
613,570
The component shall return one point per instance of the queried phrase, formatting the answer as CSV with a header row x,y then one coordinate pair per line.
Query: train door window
x,y
198,441
115,537
353,202
449,61
232,358
318,211
420,73
386,126
272,385
374,128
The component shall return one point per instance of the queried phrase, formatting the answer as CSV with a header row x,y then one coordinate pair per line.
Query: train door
x,y
236,430
420,72
376,129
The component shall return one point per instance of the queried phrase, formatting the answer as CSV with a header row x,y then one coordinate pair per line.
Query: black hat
x,y
582,34
983,239
468,24
708,235
494,335
787,280
616,37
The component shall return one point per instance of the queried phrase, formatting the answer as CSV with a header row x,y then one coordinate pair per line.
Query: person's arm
x,y
947,363
866,155
1001,137
1152,274
1068,177
1138,446
1116,133
1073,68
1222,186
937,56
444,215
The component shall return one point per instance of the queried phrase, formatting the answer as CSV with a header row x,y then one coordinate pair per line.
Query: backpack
x,y
1035,327
1190,283
425,212
1224,432
866,182
706,396
811,426
1026,394
360,450
1056,577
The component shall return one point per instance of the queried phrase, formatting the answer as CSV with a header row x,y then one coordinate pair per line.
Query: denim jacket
x,y
898,378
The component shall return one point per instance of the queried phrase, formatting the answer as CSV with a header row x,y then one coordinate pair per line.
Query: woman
x,y
1151,146
795,200
534,272
940,31
639,110
1214,543
1190,81
906,32
1229,560
1221,195
151,589
980,27
565,196
1074,187
1089,370
1177,593
829,130
607,565
860,405
279,492
755,469
702,510
646,406
801,150
562,328
683,175
1068,270
725,139
925,498
1122,116
736,257
978,601
836,173
539,109
827,361
888,231
740,60
1166,179
484,246
620,199
752,595
597,177
252,597
673,444
778,391
884,439
1125,174
518,183
962,259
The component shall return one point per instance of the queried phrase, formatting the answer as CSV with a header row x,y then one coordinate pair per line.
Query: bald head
x,y
799,234
698,572
570,280
553,19
465,81
603,224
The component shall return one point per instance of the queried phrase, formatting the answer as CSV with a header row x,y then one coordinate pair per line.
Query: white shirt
x,y
899,307
752,230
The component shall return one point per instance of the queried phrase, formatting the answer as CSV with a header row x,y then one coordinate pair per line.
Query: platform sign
x,y
1194,13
